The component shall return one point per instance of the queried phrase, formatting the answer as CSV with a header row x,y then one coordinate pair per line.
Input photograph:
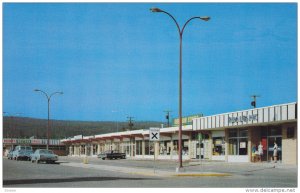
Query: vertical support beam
x,y
143,147
226,144
86,149
172,147
190,145
250,139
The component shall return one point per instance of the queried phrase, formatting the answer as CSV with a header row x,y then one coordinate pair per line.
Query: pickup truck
x,y
111,155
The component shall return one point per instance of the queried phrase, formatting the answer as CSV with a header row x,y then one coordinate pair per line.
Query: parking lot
x,y
72,172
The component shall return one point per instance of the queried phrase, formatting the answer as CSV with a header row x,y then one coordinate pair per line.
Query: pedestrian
x,y
275,152
260,151
253,153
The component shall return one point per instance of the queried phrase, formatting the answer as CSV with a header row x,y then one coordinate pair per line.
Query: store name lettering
x,y
243,118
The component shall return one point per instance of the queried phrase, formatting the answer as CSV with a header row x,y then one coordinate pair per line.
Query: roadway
x,y
71,172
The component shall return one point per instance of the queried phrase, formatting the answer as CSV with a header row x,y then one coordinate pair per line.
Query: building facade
x,y
228,137
54,144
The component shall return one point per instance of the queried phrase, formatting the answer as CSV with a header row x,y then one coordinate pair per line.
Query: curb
x,y
145,172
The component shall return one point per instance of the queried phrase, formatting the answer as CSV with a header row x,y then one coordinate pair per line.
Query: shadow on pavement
x,y
81,179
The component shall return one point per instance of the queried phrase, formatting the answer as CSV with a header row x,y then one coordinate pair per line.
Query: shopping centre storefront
x,y
226,137
233,135
54,144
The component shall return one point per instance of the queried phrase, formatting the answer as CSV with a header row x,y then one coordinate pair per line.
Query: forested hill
x,y
23,127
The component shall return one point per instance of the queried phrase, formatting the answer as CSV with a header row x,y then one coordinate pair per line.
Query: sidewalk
x,y
191,168
143,171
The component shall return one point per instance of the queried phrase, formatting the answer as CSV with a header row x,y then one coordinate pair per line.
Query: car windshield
x,y
46,151
22,148
28,148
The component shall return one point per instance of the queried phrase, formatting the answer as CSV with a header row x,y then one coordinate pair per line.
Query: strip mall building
x,y
226,137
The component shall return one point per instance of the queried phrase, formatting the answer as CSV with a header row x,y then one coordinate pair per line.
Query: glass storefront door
x,y
269,135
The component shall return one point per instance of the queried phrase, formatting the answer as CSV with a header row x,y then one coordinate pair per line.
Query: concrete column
x,y
70,150
190,145
79,153
86,149
250,131
226,145
143,148
98,150
172,147
131,147
210,145
121,146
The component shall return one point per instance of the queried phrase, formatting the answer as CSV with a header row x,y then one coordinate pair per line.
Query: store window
x,y
149,148
185,147
163,150
218,146
290,132
138,147
238,142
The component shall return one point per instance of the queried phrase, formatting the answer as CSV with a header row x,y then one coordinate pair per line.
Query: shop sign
x,y
36,141
24,141
186,120
243,118
242,145
9,141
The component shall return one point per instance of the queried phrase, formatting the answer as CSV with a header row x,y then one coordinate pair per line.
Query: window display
x,y
218,146
238,142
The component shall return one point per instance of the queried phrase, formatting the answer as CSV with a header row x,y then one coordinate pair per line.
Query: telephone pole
x,y
168,116
253,103
130,124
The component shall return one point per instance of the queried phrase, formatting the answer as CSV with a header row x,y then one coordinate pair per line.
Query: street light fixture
x,y
180,30
48,99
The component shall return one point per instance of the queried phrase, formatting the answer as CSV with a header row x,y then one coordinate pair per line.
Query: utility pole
x,y
253,103
130,124
168,116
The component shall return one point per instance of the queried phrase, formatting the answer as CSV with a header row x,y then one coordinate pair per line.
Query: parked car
x,y
44,155
22,152
111,155
10,154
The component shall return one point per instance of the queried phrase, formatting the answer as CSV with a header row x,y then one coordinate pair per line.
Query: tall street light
x,y
180,31
48,99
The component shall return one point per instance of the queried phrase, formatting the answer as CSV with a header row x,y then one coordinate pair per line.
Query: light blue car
x,y
22,152
43,155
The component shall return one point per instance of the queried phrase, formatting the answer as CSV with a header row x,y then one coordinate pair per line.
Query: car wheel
x,y
103,158
32,161
37,161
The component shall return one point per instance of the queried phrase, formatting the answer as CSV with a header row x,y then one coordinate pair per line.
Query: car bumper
x,y
48,159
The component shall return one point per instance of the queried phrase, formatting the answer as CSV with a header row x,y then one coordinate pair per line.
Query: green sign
x,y
186,120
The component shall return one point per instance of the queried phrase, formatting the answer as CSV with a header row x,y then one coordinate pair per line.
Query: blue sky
x,y
114,60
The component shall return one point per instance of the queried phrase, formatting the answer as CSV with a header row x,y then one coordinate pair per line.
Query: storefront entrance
x,y
269,135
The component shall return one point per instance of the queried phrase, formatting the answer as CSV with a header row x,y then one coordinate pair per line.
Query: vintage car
x,y
10,154
22,152
111,155
43,155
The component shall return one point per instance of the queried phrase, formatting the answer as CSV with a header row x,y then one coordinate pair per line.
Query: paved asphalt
x,y
71,172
